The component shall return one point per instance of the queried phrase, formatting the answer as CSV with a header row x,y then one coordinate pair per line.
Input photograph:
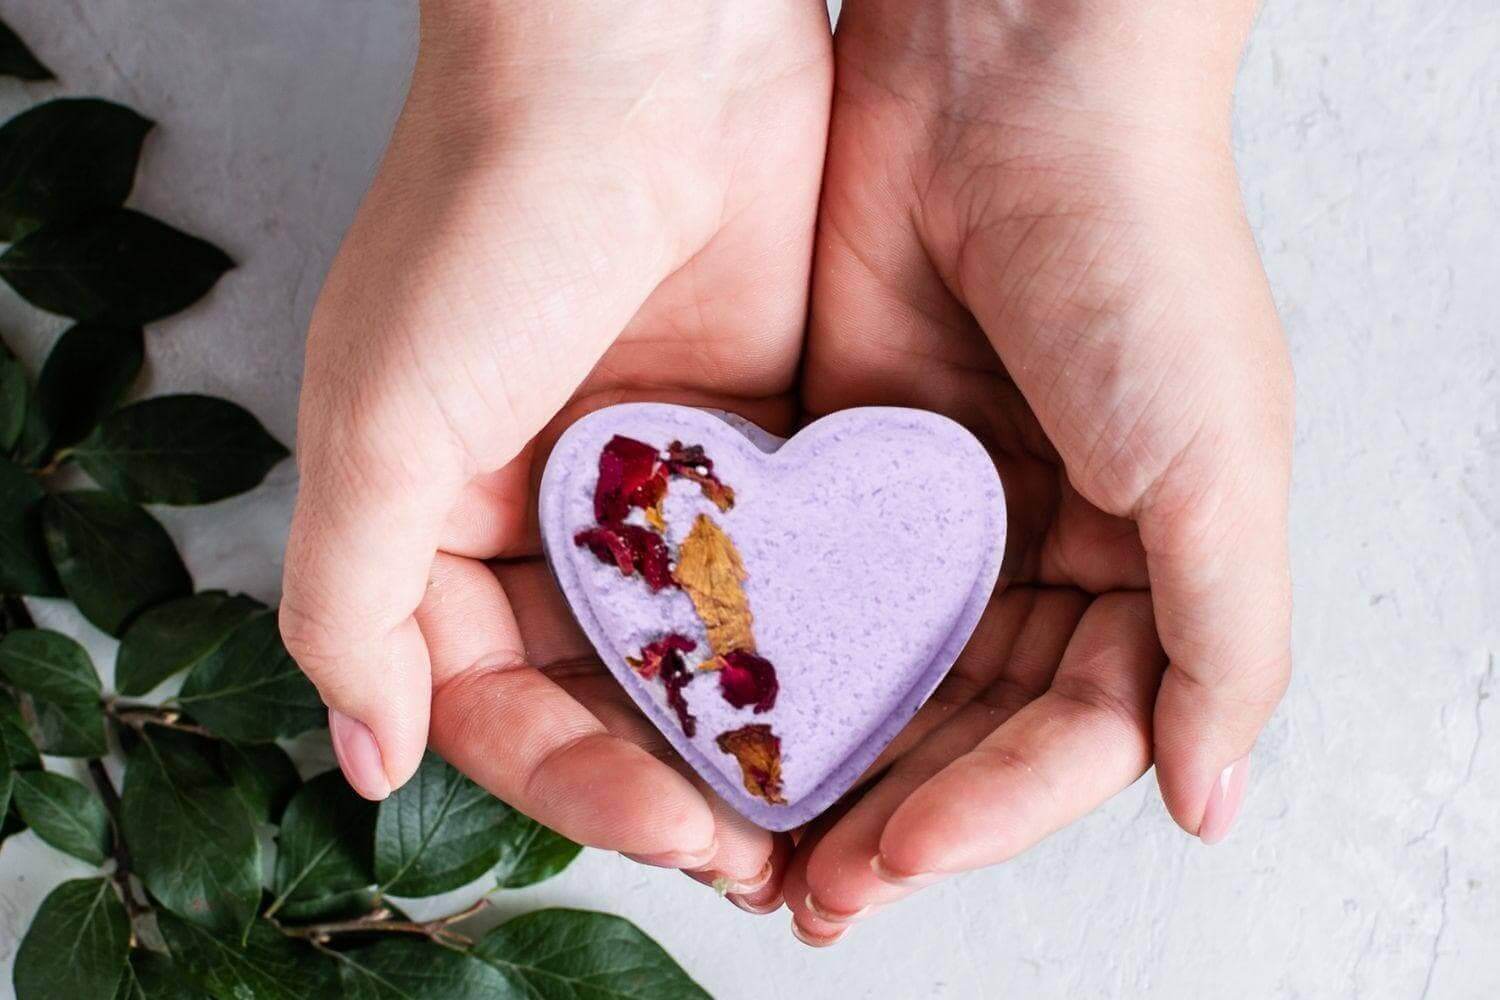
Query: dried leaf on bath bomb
x,y
759,752
710,570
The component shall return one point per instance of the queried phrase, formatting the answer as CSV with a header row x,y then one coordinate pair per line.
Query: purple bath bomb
x,y
868,545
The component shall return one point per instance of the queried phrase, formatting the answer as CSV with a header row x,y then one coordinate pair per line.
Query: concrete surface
x,y
1367,862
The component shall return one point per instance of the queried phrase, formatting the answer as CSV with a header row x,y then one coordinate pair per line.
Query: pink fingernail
x,y
905,880
816,940
358,755
686,860
828,916
1224,800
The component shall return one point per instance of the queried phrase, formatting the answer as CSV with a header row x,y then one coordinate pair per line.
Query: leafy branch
x,y
385,921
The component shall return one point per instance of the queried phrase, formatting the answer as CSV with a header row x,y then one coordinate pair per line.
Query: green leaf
x,y
85,376
269,966
48,665
437,832
179,450
326,842
152,976
70,729
16,59
339,906
77,944
66,157
7,783
114,559
14,392
117,266
191,840
572,954
532,853
419,970
10,823
15,743
177,635
250,689
25,567
65,814
263,776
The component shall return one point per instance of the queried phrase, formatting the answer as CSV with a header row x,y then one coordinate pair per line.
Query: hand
x,y
1034,226
579,206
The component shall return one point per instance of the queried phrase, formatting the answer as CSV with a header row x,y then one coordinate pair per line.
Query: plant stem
x,y
380,922
121,874
137,716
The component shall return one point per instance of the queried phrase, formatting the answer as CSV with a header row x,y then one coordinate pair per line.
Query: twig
x,y
121,874
380,922
137,716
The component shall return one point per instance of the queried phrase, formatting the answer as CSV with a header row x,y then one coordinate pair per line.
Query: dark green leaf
x,y
16,59
14,392
10,823
339,906
117,266
152,976
115,560
64,158
77,944
263,777
7,783
49,665
70,729
25,567
179,450
85,376
191,840
177,635
532,853
250,689
64,814
327,841
419,970
270,965
437,832
580,955
15,743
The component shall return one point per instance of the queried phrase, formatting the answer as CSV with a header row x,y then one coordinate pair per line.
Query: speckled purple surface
x,y
872,541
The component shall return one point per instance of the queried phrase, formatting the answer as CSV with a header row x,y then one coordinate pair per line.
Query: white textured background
x,y
1367,861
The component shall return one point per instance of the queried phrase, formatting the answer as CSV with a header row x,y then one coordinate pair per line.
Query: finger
x,y
1052,762
526,740
842,885
489,519
562,652
808,927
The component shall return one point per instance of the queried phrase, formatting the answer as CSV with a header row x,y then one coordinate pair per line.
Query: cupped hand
x,y
581,204
1031,222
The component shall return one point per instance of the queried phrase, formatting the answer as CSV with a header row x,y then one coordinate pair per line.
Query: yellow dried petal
x,y
710,570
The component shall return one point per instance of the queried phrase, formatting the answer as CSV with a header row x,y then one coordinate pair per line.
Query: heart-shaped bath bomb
x,y
778,610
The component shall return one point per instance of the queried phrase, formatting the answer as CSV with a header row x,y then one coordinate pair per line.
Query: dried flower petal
x,y
632,548
675,676
630,475
759,752
650,662
710,570
746,679
689,462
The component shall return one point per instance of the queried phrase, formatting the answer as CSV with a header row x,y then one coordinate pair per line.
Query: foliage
x,y
222,873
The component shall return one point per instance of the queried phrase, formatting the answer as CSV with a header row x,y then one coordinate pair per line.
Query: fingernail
x,y
835,916
890,876
358,755
816,940
726,886
1224,800
759,909
678,859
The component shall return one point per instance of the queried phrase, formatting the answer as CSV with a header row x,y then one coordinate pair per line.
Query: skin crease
x,y
1029,221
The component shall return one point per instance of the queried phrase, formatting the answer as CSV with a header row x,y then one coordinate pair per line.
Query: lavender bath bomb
x,y
779,609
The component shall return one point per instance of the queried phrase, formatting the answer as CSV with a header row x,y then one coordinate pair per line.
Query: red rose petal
x,y
675,676
747,679
689,462
630,475
655,653
632,548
